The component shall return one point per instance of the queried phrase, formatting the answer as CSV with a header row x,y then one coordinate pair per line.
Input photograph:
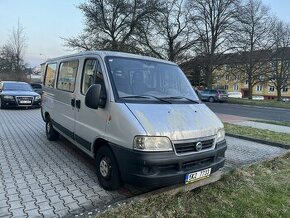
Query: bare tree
x,y
111,24
251,37
169,35
214,24
12,53
279,69
7,60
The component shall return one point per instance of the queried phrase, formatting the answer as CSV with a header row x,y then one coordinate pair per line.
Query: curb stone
x,y
275,144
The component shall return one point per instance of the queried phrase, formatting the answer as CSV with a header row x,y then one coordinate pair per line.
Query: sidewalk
x,y
246,121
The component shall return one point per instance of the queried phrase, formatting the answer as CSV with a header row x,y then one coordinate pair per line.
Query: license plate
x,y
25,102
192,177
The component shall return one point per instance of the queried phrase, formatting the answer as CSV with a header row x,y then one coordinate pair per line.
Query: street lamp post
x,y
45,58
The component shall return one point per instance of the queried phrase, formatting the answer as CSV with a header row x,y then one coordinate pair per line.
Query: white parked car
x,y
259,98
235,95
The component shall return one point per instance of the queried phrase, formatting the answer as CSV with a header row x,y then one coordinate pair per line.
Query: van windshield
x,y
137,79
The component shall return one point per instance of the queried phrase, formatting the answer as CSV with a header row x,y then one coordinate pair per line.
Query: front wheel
x,y
1,104
51,133
211,99
107,169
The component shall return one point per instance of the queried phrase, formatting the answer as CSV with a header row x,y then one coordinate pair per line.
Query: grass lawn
x,y
255,133
261,190
264,103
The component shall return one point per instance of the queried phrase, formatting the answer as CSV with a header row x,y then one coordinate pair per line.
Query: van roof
x,y
110,53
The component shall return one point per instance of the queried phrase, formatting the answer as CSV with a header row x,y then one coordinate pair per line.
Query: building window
x,y
246,82
227,77
259,88
271,88
285,89
226,87
236,87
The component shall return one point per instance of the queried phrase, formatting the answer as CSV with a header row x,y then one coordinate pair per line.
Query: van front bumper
x,y
157,169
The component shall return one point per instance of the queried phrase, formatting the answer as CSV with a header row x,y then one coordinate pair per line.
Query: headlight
x,y
38,97
10,97
220,136
152,143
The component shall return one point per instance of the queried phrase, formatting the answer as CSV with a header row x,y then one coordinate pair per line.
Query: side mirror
x,y
94,97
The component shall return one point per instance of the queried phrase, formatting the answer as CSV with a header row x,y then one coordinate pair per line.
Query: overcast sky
x,y
46,21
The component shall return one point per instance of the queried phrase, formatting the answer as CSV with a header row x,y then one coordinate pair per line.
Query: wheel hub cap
x,y
48,127
105,167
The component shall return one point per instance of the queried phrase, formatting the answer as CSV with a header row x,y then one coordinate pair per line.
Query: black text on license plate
x,y
191,177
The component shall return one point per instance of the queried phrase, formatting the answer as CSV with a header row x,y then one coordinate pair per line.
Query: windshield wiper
x,y
148,97
182,97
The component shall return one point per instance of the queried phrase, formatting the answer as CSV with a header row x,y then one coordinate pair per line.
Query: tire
x,y
51,133
1,105
211,99
107,169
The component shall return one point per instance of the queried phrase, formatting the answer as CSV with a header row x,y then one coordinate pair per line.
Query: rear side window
x,y
50,75
67,75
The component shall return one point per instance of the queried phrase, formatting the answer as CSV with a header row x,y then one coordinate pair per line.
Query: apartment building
x,y
230,72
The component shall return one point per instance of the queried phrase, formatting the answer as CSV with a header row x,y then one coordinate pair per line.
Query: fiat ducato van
x,y
137,116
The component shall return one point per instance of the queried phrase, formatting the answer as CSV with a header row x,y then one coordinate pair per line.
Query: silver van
x,y
137,116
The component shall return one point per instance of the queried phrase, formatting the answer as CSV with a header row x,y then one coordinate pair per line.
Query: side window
x,y
67,75
92,74
50,75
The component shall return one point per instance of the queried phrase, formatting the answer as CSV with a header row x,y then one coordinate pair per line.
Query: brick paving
x,y
39,178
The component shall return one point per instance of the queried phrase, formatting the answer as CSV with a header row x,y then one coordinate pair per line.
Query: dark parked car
x,y
37,88
213,95
18,94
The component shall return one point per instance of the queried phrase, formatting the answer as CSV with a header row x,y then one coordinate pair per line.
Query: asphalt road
x,y
251,111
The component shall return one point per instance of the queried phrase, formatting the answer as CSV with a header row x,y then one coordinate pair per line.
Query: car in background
x,y
258,97
235,95
37,88
286,100
214,95
18,94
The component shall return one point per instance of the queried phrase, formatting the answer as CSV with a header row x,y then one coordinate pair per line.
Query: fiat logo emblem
x,y
198,146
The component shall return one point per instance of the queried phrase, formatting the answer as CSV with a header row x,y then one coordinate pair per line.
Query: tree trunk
x,y
208,73
278,94
250,87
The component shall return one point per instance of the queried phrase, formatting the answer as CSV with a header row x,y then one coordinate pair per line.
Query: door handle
x,y
73,102
78,104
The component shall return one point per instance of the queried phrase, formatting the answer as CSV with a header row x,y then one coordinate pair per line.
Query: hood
x,y
19,93
176,121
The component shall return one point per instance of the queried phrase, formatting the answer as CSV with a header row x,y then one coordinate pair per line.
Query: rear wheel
x,y
107,169
51,133
211,99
